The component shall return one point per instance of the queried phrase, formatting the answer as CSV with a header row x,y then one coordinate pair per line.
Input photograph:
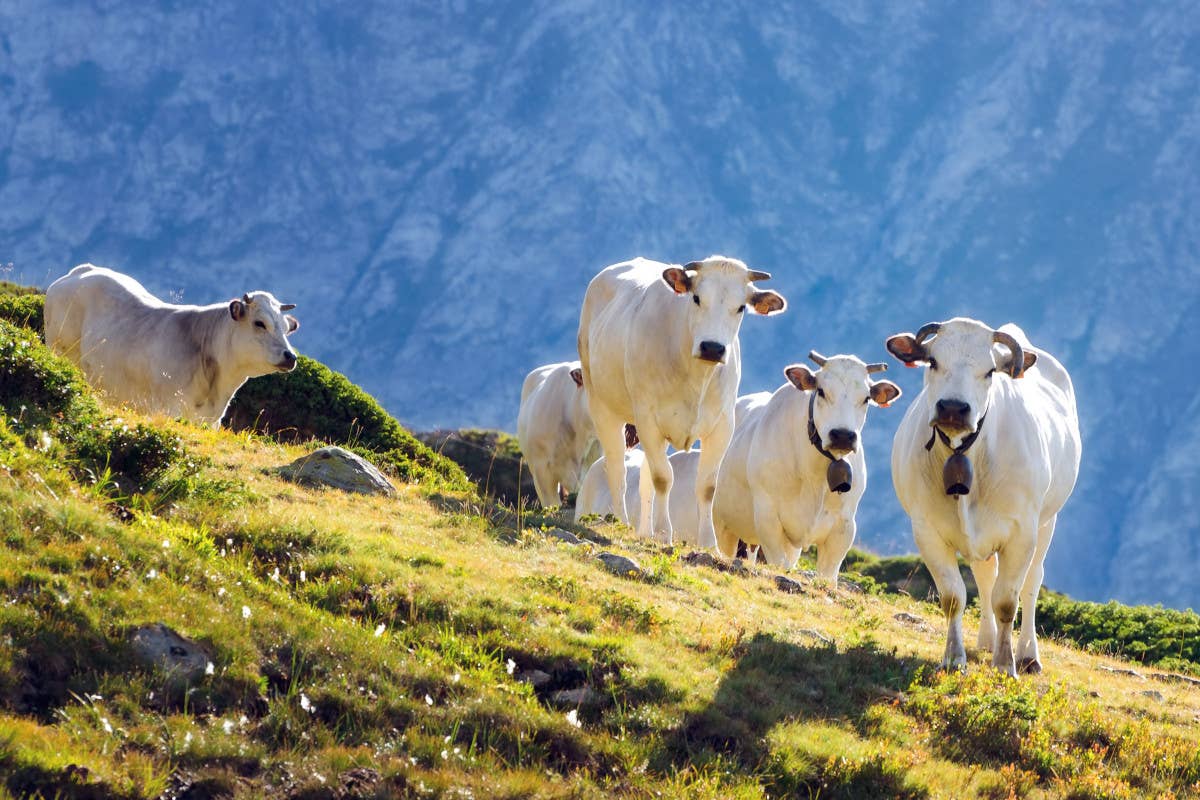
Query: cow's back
x,y
88,297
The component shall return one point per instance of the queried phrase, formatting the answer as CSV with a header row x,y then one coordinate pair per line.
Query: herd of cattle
x,y
983,461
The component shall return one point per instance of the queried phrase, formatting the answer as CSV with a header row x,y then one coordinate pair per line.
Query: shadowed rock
x,y
180,660
620,565
339,468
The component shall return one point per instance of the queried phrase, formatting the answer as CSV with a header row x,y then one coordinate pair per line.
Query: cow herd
x,y
983,461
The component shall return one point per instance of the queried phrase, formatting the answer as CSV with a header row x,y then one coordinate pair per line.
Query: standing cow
x,y
184,361
659,349
982,462
555,430
594,497
774,485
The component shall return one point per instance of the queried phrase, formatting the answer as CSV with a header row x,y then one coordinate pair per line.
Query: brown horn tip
x,y
878,366
246,299
927,330
817,358
758,275
287,306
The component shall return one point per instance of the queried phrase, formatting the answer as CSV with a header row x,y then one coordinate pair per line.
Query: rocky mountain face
x,y
434,183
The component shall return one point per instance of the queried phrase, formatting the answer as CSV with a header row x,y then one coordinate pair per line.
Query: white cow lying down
x,y
772,489
184,361
555,430
1009,408
595,498
659,349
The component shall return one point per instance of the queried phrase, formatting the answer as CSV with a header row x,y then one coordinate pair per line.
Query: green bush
x,y
44,394
23,309
1162,637
314,402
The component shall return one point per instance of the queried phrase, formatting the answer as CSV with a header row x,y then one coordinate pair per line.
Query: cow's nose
x,y
289,359
842,439
953,411
712,351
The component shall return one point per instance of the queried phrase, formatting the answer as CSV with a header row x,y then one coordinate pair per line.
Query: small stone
x,y
850,586
535,678
908,619
812,633
582,697
789,585
1093,693
339,468
620,565
1154,694
563,536
179,659
703,558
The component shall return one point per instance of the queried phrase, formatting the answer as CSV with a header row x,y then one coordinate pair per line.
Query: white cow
x,y
555,430
184,361
594,496
773,490
659,349
991,398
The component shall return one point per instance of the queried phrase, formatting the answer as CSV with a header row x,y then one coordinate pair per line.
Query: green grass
x,y
381,647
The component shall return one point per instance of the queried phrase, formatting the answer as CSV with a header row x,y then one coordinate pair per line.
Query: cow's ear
x,y
767,302
801,377
1006,362
237,310
679,279
293,323
577,376
904,347
884,393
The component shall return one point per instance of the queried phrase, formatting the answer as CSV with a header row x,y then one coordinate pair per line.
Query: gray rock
x,y
180,660
563,536
582,697
1154,694
535,678
703,558
812,633
789,585
620,565
339,468
908,619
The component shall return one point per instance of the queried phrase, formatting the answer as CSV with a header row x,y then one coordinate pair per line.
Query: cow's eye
x,y
741,309
932,363
696,299
258,323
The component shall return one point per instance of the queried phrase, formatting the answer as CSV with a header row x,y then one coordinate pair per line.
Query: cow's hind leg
x,y
1028,658
985,578
544,483
942,562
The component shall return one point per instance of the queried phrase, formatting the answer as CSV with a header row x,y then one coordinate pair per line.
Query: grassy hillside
x,y
432,645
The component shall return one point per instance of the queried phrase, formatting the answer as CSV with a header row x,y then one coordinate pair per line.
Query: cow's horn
x,y
876,367
1017,365
693,266
817,358
758,275
286,306
246,299
927,331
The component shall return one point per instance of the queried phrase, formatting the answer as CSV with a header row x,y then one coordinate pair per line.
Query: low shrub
x,y
314,402
492,459
23,309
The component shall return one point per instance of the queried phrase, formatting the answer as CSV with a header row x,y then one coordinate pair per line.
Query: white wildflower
x,y
245,612
221,592
511,666
428,700
275,575
445,754
166,544
106,725
303,577
227,726
306,704
455,678
152,574
380,628
573,718
210,668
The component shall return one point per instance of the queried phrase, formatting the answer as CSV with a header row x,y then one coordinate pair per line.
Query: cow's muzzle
x,y
287,363
711,351
842,441
952,416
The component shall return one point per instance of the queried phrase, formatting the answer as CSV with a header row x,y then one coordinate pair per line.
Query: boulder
x,y
620,565
339,468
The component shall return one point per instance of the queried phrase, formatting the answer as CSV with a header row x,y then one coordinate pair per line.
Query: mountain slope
x,y
435,186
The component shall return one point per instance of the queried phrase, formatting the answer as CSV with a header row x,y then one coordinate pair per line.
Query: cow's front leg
x,y
712,449
1014,561
985,578
942,562
655,487
831,551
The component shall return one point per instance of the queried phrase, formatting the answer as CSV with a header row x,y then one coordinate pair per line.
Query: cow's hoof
x,y
955,666
1030,666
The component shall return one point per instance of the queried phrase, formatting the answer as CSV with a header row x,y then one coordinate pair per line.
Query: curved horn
x,y
246,299
758,275
929,330
693,266
876,367
817,358
1017,365
287,306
